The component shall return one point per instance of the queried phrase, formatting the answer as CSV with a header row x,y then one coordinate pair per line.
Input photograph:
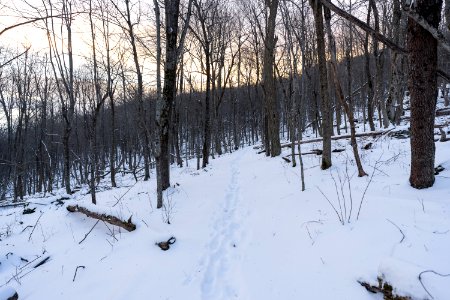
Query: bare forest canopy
x,y
90,89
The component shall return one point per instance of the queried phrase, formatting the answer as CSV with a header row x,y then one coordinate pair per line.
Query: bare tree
x,y
64,76
327,128
422,83
269,83
164,105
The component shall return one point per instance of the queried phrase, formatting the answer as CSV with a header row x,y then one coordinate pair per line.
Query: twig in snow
x,y
89,232
34,227
338,197
430,271
26,228
441,232
334,208
112,233
41,262
367,186
76,270
309,233
19,271
401,231
30,262
349,190
118,200
144,222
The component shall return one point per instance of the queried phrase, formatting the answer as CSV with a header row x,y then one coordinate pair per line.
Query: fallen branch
x,y
29,226
362,25
127,225
286,159
76,270
118,200
34,227
86,235
42,262
14,204
341,137
401,231
434,272
335,138
443,112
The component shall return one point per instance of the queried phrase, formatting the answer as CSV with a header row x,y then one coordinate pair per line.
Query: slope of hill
x,y
244,230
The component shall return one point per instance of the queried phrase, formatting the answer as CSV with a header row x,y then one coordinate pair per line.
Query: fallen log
x,y
341,137
443,112
14,204
127,225
335,138
314,151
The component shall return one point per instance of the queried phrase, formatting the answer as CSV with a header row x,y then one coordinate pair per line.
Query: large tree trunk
x,y
327,128
164,107
269,84
423,88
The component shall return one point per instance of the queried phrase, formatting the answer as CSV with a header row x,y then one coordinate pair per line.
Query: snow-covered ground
x,y
244,230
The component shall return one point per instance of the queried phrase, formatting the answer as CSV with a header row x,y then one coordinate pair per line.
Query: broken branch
x,y
127,225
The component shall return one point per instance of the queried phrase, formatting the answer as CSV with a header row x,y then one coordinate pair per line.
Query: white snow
x,y
6,293
244,230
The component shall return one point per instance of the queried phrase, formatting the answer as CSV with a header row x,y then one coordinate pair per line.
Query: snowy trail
x,y
244,231
221,254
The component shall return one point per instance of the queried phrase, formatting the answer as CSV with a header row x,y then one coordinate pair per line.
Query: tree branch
x,y
376,34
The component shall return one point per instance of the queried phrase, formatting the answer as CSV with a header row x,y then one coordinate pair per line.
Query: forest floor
x,y
244,230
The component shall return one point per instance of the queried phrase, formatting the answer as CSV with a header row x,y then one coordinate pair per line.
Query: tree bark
x,y
164,107
269,83
327,128
340,94
127,225
422,82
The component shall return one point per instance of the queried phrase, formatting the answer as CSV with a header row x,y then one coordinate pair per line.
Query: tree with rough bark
x,y
327,126
165,103
423,58
269,82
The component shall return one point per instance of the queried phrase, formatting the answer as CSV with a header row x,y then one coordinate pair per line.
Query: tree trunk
x,y
370,86
395,81
340,95
164,108
423,88
269,84
327,128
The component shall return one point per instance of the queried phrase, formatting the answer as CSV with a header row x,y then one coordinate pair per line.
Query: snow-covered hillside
x,y
244,230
